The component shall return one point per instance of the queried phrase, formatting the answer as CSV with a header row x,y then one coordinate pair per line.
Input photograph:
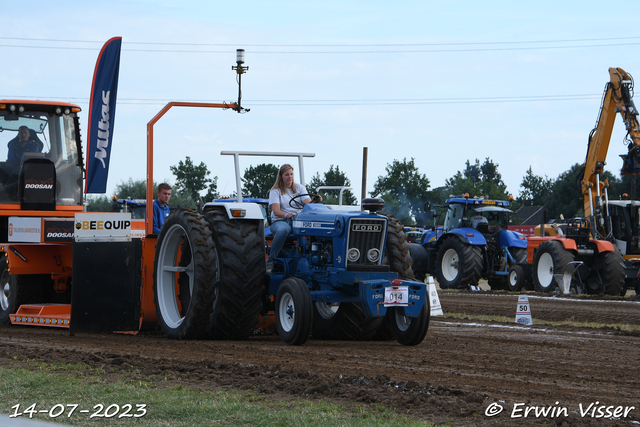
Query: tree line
x,y
403,188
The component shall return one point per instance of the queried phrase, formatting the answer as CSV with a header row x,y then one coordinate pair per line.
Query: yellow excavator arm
x,y
617,98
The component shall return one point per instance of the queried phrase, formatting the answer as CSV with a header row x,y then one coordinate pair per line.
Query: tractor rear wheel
x,y
241,254
397,255
410,330
185,259
294,311
458,265
551,258
608,267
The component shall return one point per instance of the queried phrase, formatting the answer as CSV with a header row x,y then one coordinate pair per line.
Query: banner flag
x,y
102,113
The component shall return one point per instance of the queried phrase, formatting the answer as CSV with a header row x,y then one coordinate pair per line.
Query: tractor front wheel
x,y
458,265
410,330
516,278
294,313
184,274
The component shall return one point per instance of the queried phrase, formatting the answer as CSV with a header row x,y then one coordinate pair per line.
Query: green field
x,y
56,389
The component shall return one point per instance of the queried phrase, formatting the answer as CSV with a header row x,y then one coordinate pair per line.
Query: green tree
x,y
404,190
478,180
258,181
534,189
565,197
332,178
193,179
99,203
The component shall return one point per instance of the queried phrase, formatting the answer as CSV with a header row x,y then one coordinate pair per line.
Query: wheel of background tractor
x,y
608,266
346,321
241,255
325,320
17,290
184,228
397,255
410,330
516,278
458,265
294,311
551,258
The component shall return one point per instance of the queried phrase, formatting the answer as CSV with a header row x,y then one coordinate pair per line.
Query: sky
x,y
520,83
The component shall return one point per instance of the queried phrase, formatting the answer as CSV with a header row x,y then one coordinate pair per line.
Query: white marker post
x,y
523,311
434,300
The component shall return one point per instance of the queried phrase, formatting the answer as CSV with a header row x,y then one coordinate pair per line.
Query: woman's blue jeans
x,y
280,229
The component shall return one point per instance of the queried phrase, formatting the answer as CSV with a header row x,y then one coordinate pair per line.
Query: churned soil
x,y
464,371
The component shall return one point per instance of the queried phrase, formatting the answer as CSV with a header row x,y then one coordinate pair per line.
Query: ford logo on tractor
x,y
366,227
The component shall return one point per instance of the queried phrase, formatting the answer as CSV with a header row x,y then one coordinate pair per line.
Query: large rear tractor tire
x,y
410,330
241,253
397,255
185,259
609,266
294,311
551,258
458,265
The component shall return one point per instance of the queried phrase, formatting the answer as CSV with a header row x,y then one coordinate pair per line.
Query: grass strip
x,y
55,388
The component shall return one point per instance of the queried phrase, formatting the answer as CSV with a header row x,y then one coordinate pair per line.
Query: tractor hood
x,y
321,221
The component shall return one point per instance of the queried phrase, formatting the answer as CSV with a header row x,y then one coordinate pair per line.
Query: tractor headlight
x,y
353,255
373,255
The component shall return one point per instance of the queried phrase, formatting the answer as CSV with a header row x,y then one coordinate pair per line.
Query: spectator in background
x,y
161,207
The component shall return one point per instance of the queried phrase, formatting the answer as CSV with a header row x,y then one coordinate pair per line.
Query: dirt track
x,y
461,371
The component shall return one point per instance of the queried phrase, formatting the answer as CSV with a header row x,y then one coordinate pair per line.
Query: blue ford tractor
x,y
339,278
474,243
346,273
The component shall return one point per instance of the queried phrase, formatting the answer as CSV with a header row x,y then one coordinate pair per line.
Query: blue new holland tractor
x,y
474,243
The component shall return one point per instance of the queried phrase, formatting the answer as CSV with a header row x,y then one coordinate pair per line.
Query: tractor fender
x,y
466,235
603,246
512,239
251,210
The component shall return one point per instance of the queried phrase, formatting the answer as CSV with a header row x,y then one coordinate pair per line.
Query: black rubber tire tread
x,y
397,255
198,313
397,252
470,264
23,289
519,255
560,257
299,291
355,324
325,328
242,259
610,265
417,329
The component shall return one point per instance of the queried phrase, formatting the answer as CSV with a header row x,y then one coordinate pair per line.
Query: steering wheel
x,y
297,200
